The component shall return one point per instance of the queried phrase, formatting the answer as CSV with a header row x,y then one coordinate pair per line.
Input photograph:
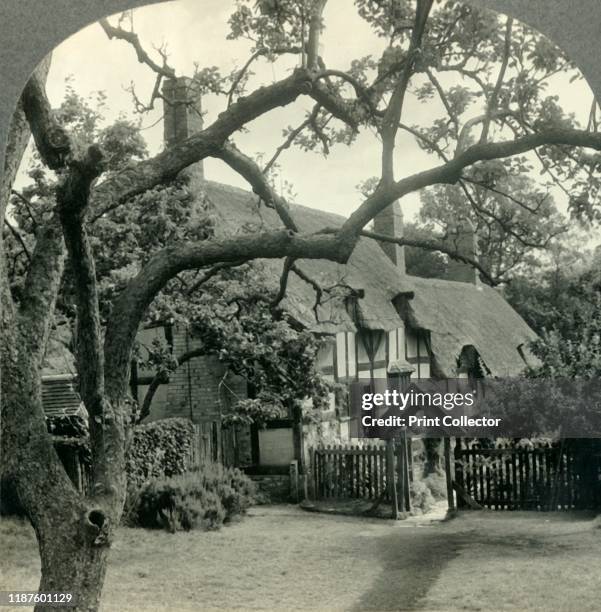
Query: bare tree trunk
x,y
70,564
73,532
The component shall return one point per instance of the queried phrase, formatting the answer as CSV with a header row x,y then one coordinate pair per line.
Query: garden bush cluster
x,y
204,498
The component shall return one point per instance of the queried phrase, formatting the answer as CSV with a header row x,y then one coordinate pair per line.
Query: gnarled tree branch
x,y
430,245
133,301
73,198
163,377
133,39
247,168
392,115
165,166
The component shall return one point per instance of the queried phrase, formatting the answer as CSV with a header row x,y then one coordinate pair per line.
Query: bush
x,y
159,449
437,483
421,497
204,498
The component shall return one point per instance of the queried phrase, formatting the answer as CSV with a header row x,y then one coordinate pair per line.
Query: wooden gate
x,y
558,476
372,472
213,443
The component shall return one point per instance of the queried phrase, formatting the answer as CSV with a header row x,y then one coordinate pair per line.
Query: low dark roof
x,y
59,397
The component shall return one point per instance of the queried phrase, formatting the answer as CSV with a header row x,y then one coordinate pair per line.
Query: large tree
x,y
450,56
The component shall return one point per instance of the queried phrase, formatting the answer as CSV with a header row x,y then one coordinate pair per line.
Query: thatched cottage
x,y
396,324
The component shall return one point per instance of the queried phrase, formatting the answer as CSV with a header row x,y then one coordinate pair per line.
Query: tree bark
x,y
73,532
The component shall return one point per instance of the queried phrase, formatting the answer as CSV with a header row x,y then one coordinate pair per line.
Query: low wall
x,y
275,487
278,484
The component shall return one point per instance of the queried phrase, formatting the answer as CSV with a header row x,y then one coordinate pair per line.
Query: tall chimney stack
x,y
462,239
390,223
182,109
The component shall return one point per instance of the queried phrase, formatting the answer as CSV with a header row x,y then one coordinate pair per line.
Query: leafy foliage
x,y
233,317
427,264
200,499
159,449
513,224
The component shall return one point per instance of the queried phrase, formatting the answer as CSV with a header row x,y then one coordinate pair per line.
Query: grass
x,y
281,558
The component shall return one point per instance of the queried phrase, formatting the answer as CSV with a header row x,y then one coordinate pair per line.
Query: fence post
x,y
312,473
294,492
449,473
459,471
404,471
391,477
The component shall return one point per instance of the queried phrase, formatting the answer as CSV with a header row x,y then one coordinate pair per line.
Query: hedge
x,y
159,449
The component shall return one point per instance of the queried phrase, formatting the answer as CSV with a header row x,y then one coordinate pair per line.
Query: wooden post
x,y
449,474
458,478
312,481
403,475
297,435
294,491
391,478
406,453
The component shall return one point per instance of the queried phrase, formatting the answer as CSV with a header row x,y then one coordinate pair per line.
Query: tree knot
x,y
96,524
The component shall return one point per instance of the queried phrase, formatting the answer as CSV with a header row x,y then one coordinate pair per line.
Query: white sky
x,y
196,32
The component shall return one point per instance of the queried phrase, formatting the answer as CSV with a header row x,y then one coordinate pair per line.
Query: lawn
x,y
281,558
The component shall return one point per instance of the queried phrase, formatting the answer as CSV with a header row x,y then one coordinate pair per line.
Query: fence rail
x,y
539,477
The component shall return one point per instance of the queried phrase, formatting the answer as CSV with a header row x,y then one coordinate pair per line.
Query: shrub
x,y
235,489
204,498
421,497
159,449
129,517
437,483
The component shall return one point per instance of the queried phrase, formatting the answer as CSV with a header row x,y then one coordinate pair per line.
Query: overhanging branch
x,y
428,245
249,170
133,39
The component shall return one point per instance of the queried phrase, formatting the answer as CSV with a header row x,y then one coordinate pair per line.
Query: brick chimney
x,y
390,223
182,108
462,239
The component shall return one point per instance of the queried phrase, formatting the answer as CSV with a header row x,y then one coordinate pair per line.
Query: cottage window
x,y
346,356
396,344
325,359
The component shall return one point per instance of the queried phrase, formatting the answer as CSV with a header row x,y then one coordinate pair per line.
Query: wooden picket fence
x,y
539,477
362,472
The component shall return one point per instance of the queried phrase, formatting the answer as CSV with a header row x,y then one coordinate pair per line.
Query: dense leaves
x,y
160,448
514,222
203,498
233,317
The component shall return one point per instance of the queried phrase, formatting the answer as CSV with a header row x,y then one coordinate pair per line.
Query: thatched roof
x,y
368,268
456,314
463,314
